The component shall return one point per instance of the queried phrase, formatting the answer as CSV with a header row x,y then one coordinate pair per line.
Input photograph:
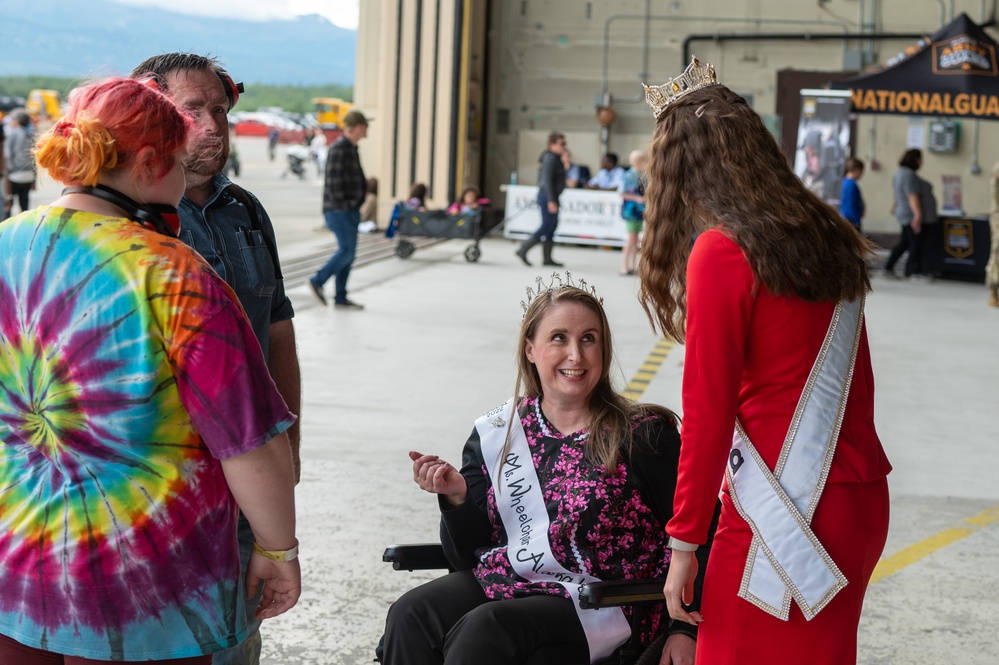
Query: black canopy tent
x,y
952,73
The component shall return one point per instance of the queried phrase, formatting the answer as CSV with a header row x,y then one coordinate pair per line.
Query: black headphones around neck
x,y
160,217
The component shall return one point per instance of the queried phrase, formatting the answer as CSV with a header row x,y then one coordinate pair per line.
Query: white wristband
x,y
277,555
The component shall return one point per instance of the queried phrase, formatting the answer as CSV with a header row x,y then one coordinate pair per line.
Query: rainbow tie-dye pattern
x,y
127,370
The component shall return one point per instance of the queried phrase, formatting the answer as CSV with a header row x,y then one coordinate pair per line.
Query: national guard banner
x,y
952,73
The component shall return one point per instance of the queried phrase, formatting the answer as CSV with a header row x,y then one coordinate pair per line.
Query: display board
x,y
587,217
823,142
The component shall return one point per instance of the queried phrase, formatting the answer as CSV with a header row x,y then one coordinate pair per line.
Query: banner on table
x,y
586,217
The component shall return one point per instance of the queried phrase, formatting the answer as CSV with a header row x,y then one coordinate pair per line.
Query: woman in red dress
x,y
753,272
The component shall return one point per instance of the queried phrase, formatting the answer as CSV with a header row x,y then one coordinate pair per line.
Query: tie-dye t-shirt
x,y
127,371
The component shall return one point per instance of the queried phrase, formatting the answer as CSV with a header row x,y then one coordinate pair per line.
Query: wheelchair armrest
x,y
620,592
424,556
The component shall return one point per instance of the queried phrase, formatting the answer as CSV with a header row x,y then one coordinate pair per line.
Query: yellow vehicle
x,y
43,105
330,111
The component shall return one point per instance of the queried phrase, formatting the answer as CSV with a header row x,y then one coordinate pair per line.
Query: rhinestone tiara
x,y
694,77
557,283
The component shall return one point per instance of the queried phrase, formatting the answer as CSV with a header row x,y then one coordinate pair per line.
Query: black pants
x,y
549,220
21,191
909,241
450,620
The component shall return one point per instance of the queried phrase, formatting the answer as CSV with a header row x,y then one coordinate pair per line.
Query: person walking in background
x,y
632,208
805,504
343,193
851,202
992,269
551,184
19,162
272,140
229,227
232,165
913,205
138,411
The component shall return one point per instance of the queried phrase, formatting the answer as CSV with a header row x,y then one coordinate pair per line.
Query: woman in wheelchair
x,y
583,493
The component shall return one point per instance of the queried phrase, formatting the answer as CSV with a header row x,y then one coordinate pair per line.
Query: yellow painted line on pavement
x,y
887,566
913,553
647,371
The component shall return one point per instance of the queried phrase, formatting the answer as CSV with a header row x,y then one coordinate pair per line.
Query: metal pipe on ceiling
x,y
605,96
789,36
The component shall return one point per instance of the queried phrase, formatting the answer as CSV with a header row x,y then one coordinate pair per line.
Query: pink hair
x,y
106,125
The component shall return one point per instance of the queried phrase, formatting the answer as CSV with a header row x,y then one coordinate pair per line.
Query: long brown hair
x,y
610,415
713,163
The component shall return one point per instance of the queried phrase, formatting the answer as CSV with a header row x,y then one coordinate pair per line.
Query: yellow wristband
x,y
277,555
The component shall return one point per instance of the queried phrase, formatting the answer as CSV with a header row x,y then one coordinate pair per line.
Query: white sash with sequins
x,y
525,518
786,560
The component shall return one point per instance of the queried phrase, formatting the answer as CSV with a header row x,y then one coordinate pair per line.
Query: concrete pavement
x,y
434,349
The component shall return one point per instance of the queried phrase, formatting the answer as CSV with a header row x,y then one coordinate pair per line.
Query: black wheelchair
x,y
637,592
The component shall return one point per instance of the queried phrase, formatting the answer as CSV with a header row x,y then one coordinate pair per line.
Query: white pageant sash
x,y
786,559
525,518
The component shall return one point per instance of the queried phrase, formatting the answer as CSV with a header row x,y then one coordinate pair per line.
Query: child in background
x,y
632,191
470,201
851,203
417,197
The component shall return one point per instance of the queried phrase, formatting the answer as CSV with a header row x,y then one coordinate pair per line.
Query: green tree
x,y
20,86
297,99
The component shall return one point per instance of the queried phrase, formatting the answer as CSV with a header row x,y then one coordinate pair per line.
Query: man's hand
x,y
678,650
553,207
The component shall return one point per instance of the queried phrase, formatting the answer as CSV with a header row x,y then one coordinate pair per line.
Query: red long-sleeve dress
x,y
748,356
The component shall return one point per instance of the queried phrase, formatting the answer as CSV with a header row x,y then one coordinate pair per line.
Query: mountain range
x,y
69,38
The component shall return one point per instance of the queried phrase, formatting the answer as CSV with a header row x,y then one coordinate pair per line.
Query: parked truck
x,y
44,106
330,112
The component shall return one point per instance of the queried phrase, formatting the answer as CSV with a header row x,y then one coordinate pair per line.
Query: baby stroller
x,y
297,155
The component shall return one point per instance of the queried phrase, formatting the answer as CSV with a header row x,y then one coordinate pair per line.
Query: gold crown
x,y
557,284
694,77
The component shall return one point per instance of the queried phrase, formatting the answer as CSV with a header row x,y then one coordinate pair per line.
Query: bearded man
x,y
231,230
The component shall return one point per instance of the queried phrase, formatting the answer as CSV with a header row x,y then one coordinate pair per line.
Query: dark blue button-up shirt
x,y
222,232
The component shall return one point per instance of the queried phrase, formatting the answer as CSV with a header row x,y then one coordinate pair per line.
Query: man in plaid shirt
x,y
343,195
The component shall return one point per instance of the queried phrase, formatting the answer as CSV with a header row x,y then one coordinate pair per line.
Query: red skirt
x,y
851,522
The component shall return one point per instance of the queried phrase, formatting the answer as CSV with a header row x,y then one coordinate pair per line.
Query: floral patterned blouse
x,y
608,526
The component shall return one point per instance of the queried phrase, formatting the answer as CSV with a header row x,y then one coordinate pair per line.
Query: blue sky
x,y
340,12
